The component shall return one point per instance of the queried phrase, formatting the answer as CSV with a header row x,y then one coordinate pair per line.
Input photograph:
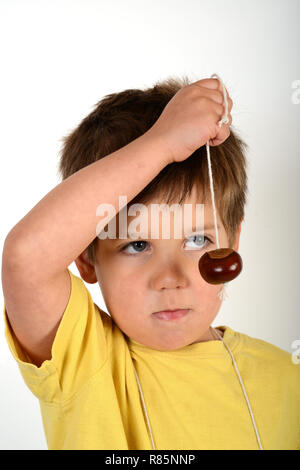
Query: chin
x,y
170,345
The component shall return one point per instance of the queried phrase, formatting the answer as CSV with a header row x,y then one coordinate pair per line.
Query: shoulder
x,y
270,357
259,346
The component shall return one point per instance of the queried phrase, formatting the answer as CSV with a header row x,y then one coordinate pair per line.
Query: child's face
x,y
151,275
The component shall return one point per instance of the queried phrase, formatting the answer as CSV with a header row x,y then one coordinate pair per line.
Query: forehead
x,y
158,220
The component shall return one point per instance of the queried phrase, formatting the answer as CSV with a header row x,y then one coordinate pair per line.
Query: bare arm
x,y
48,230
39,249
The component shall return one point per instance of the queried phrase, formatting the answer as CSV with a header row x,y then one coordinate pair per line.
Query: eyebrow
x,y
193,229
205,229
208,227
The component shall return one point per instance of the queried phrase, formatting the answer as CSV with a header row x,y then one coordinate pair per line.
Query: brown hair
x,y
119,118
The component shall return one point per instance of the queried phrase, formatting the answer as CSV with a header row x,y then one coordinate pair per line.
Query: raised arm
x,y
64,222
39,248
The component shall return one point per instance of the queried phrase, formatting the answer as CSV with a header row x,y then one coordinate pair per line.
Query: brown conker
x,y
221,265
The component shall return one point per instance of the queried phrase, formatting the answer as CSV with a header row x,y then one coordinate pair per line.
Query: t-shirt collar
x,y
205,348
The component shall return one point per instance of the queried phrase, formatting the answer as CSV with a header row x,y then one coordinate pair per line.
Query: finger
x,y
229,100
214,95
220,137
213,84
229,103
225,125
222,134
218,109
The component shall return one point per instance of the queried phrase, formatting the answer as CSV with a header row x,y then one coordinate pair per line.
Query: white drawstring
x,y
144,406
243,388
241,383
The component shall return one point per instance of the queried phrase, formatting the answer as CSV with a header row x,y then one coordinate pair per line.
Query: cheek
x,y
128,303
205,295
124,288
119,276
133,289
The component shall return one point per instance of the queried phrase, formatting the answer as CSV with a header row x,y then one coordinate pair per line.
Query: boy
x,y
79,361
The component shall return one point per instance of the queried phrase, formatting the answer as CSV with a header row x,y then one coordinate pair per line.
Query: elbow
x,y
15,253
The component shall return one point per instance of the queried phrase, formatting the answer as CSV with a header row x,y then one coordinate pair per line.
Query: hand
x,y
191,117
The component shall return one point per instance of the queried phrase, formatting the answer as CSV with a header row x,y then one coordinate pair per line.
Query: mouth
x,y
170,315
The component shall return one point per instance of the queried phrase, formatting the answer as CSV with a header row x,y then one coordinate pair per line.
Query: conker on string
x,y
219,266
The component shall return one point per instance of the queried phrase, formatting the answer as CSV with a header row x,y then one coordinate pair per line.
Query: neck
x,y
215,336
210,336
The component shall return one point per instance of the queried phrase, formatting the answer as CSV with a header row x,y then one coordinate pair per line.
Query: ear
x,y
86,269
237,237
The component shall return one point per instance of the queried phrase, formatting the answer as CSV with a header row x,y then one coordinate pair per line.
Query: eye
x,y
135,245
200,241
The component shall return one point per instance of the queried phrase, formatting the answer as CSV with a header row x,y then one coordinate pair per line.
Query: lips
x,y
171,314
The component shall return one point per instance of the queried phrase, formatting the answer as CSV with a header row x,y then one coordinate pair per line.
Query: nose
x,y
169,276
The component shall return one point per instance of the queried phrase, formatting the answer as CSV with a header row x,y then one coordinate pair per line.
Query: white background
x,y
59,58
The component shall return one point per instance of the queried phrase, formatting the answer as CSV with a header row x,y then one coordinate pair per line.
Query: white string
x,y
241,383
212,193
243,388
144,406
222,294
224,120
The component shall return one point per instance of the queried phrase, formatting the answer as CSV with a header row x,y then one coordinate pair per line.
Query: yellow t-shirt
x,y
89,397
